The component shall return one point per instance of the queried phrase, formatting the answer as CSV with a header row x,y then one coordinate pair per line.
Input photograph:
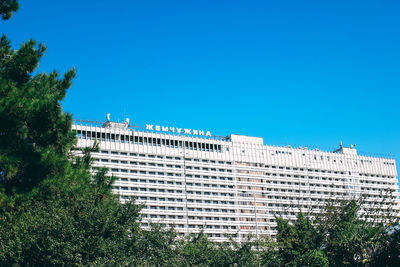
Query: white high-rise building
x,y
233,185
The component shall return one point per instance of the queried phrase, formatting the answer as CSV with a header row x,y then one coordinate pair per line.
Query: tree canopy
x,y
7,7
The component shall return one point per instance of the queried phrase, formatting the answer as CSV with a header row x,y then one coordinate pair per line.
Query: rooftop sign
x,y
176,130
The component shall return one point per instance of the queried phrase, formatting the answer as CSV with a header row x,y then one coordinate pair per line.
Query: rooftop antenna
x,y
341,144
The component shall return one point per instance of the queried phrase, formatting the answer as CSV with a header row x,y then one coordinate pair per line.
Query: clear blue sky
x,y
293,72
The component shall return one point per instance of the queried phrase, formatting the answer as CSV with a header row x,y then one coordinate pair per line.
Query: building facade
x,y
234,185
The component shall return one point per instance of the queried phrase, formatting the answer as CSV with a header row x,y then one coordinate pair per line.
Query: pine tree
x,y
7,7
35,134
53,209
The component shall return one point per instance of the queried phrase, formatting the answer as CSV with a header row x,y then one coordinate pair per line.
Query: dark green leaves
x,y
7,7
35,134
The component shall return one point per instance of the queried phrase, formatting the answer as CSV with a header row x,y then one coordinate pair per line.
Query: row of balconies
x,y
250,183
304,169
247,168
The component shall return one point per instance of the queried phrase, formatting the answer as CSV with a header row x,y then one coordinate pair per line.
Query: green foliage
x,y
35,134
247,252
53,209
315,258
7,7
349,239
298,240
77,221
335,237
53,233
388,251
155,247
197,250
